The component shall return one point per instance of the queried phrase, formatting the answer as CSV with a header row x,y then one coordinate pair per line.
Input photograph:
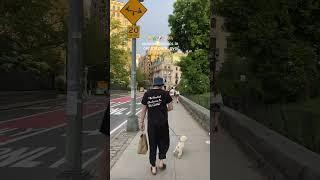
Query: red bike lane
x,y
24,127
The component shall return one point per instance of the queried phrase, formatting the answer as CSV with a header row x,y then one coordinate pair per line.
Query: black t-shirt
x,y
156,101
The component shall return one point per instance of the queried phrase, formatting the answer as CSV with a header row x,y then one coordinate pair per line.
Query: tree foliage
x,y
32,31
119,56
94,49
189,25
195,73
190,33
279,41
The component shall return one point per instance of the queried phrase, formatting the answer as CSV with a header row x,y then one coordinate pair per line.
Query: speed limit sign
x,y
133,31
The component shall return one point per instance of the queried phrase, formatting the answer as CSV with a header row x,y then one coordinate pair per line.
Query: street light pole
x,y
132,123
86,81
73,163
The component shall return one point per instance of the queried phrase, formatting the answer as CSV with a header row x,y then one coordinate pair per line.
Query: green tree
x,y
195,73
280,58
190,33
189,25
32,31
119,56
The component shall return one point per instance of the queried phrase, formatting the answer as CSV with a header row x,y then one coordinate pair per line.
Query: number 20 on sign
x,y
133,31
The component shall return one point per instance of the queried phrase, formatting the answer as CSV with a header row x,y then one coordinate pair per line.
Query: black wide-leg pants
x,y
158,138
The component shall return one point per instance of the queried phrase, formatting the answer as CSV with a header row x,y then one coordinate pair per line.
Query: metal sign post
x,y
133,11
132,124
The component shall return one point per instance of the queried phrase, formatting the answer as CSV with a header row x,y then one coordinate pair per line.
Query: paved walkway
x,y
230,162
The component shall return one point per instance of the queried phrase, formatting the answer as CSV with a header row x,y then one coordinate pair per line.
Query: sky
x,y
154,23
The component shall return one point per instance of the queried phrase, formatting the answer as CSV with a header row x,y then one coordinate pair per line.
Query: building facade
x,y
160,61
152,54
166,67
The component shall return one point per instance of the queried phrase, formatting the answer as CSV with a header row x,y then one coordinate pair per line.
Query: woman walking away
x,y
217,103
157,102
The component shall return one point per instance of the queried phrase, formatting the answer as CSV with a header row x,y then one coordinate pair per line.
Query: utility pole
x,y
133,32
132,124
73,163
86,81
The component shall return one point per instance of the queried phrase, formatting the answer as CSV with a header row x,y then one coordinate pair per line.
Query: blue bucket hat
x,y
158,81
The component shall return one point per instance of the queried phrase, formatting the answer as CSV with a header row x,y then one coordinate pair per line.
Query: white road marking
x,y
84,165
119,103
32,134
29,116
2,131
92,133
29,130
17,155
4,151
57,164
115,129
118,111
62,160
138,111
1,122
28,162
46,130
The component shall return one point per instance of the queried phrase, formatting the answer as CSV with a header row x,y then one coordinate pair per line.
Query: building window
x,y
176,68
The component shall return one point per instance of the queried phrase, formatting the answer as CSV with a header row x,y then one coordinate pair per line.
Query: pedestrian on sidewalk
x,y
172,92
217,103
177,96
157,102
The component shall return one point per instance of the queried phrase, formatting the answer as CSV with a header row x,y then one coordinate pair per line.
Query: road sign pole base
x,y
132,123
74,175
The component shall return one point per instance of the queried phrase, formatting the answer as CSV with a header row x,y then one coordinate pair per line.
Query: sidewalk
x,y
194,164
230,163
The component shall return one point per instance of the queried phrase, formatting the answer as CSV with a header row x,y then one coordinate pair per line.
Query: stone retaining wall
x,y
287,159
201,114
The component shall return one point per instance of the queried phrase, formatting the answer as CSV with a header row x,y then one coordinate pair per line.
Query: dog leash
x,y
173,131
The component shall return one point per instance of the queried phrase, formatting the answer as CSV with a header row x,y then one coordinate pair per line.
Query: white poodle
x,y
179,148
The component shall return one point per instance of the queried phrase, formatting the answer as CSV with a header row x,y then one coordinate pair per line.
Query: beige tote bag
x,y
143,144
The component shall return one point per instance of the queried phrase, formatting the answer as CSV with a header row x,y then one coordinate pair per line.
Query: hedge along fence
x,y
201,99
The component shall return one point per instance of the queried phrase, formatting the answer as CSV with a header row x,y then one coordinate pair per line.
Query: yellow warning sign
x,y
133,11
133,31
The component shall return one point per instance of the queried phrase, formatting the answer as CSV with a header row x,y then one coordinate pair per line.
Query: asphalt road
x,y
32,139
